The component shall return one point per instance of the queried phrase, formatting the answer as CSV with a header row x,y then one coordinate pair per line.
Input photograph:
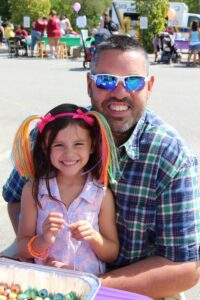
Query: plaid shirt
x,y
157,195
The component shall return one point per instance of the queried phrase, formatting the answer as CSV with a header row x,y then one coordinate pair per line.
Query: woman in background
x,y
194,43
53,33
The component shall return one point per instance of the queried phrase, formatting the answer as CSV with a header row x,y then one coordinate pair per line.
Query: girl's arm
x,y
27,220
27,225
104,243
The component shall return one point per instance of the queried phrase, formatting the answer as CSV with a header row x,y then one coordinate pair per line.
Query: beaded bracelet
x,y
41,255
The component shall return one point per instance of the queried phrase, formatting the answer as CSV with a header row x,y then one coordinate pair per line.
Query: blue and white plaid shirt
x,y
157,195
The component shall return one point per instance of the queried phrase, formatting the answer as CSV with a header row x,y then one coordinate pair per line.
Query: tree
x,y
93,11
5,10
156,12
194,5
62,7
33,8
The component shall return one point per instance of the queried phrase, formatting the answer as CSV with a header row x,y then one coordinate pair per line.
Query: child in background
x,y
72,159
156,46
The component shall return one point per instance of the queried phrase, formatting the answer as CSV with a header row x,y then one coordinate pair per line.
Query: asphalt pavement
x,y
35,85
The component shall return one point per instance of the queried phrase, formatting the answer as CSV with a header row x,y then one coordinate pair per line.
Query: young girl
x,y
67,212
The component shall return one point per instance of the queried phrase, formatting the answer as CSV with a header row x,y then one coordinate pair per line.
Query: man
x,y
157,196
109,24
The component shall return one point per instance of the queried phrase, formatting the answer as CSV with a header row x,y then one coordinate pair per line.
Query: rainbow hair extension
x,y
22,154
109,161
21,150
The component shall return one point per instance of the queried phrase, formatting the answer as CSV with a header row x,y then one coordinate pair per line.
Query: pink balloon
x,y
77,7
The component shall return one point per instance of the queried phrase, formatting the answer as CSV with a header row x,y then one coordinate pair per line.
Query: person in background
x,y
9,32
65,24
156,46
37,32
21,31
53,33
194,43
2,34
109,24
67,202
157,194
20,36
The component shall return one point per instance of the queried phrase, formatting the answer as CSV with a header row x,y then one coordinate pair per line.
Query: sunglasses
x,y
132,83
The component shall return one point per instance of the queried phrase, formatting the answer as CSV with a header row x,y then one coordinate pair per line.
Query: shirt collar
x,y
88,192
132,144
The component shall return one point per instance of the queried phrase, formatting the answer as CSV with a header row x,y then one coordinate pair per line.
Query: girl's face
x,y
70,151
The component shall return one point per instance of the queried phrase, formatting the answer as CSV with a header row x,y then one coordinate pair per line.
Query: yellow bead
x,y
12,296
2,297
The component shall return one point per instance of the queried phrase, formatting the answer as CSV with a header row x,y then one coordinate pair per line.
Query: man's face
x,y
106,18
120,107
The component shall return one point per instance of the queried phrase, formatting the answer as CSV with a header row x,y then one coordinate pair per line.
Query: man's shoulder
x,y
165,139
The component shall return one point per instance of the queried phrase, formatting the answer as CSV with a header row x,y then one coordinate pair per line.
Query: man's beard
x,y
116,130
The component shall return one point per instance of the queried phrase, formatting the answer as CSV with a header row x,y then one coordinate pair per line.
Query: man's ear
x,y
150,84
89,82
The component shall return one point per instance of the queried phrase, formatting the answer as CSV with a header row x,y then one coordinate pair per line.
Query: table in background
x,y
68,40
111,294
182,44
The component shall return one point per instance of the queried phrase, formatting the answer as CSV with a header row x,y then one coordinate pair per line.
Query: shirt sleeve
x,y
178,209
12,189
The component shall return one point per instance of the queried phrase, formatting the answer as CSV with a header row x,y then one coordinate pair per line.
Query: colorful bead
x,y
22,296
1,290
58,296
71,296
43,293
7,292
38,298
14,293
15,288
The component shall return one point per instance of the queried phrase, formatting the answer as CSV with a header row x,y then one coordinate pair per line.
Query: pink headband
x,y
78,115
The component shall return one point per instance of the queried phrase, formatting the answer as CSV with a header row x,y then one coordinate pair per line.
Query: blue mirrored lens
x,y
106,82
134,83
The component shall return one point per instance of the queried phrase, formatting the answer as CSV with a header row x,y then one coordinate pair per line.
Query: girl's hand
x,y
82,231
51,226
51,262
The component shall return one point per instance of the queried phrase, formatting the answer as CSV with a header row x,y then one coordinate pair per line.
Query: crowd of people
x,y
52,26
154,183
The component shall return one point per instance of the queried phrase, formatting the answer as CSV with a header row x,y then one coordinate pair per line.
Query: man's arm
x,y
156,277
12,194
13,212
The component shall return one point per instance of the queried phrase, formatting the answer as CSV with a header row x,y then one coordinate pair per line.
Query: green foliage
x,y
193,5
33,8
156,12
92,9
62,7
5,10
